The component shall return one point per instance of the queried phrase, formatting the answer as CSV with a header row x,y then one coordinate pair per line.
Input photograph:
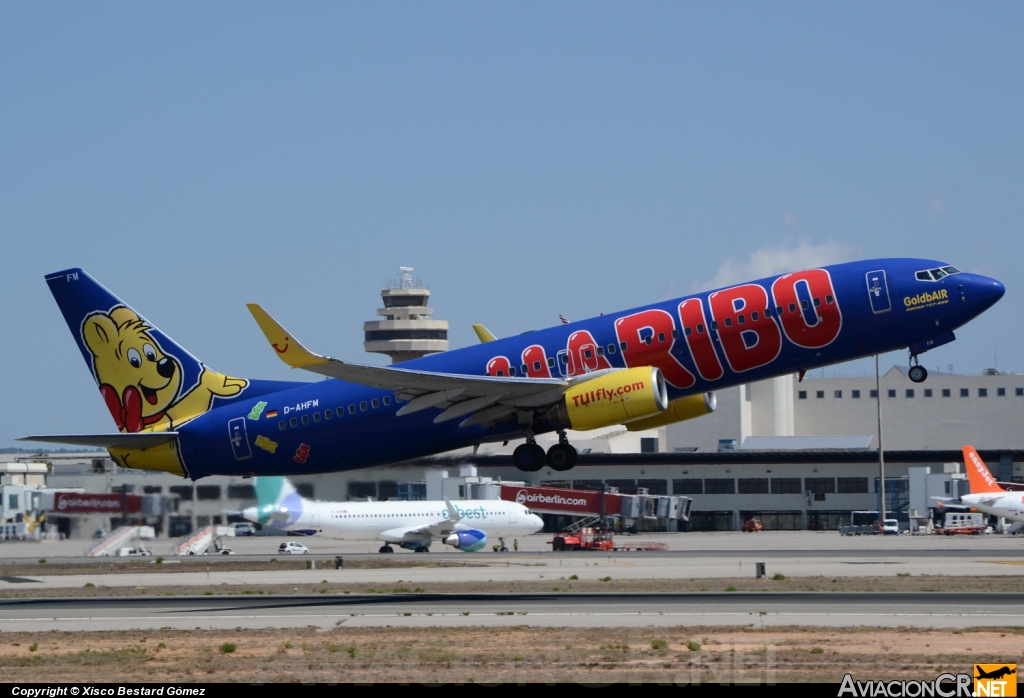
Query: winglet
x,y
484,334
978,474
453,513
288,349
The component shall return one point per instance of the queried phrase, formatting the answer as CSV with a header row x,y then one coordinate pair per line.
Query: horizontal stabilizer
x,y
138,441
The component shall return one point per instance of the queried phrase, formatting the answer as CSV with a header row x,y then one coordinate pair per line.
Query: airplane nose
x,y
984,292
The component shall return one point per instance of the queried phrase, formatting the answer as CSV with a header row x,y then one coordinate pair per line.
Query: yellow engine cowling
x,y
612,398
678,410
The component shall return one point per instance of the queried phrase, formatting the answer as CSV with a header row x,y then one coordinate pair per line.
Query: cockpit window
x,y
936,274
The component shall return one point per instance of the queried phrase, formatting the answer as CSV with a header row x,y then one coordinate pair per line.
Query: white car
x,y
293,548
891,527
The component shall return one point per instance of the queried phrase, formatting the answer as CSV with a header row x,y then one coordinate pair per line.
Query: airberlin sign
x,y
559,500
741,327
77,503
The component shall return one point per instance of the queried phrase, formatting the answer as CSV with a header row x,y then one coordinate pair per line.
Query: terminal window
x,y
852,485
184,492
1001,392
207,492
965,392
945,392
753,485
839,393
693,485
892,393
873,393
1020,392
802,394
819,393
982,392
910,392
820,485
927,392
855,394
786,485
719,486
241,492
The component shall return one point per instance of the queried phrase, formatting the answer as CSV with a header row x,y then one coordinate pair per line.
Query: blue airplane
x,y
640,368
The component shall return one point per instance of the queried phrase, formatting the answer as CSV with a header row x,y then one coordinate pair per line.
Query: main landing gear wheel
x,y
918,374
386,549
528,457
562,457
422,549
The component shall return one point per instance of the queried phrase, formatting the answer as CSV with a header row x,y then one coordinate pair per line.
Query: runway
x,y
828,609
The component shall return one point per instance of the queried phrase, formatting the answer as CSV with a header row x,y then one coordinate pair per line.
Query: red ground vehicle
x,y
584,539
752,525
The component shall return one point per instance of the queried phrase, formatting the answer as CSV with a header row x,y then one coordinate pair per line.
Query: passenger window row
x,y
293,422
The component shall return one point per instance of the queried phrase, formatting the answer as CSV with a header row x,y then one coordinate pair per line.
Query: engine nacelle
x,y
611,398
467,541
678,410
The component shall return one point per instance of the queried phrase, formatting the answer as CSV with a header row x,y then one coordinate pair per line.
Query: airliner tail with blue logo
x,y
640,368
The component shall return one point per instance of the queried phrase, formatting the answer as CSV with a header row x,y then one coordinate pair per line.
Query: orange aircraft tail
x,y
978,474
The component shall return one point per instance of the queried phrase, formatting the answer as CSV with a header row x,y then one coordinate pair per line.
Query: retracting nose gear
x,y
917,372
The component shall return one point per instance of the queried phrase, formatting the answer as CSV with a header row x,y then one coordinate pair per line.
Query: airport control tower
x,y
407,330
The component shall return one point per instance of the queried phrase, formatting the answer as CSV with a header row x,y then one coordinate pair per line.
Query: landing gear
x,y
562,456
422,549
528,457
502,548
917,372
386,549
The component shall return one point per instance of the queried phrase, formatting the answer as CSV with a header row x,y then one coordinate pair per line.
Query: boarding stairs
x,y
120,537
200,541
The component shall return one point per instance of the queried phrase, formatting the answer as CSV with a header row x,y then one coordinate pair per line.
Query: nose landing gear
x,y
917,372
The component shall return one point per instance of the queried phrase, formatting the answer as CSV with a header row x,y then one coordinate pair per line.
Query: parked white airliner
x,y
464,525
986,494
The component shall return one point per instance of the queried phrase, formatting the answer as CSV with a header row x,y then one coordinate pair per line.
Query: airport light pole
x,y
881,455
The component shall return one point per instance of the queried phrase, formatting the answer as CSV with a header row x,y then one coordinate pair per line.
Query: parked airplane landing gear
x,y
562,456
528,457
917,372
386,549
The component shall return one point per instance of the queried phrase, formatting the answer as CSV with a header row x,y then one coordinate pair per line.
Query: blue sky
x,y
528,159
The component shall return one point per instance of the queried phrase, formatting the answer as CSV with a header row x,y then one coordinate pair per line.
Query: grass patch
x,y
779,577
42,561
159,561
89,585
693,645
730,588
573,577
660,645
605,579
227,648
33,647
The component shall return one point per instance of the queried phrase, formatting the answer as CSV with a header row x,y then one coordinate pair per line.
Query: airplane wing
x,y
437,529
139,441
486,398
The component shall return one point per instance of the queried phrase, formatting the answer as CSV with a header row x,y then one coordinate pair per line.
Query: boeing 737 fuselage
x,y
642,368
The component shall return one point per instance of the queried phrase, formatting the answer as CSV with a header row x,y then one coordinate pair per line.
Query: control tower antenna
x,y
407,330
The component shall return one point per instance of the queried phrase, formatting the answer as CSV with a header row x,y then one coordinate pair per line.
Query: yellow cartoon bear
x,y
139,382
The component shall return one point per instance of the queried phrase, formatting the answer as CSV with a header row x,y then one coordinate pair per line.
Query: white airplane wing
x,y
486,398
437,529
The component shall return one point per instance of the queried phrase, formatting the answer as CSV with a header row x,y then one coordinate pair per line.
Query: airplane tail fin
x,y
271,491
148,381
278,503
978,474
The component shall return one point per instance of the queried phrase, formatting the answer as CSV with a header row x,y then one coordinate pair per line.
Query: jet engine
x,y
611,398
467,541
678,410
